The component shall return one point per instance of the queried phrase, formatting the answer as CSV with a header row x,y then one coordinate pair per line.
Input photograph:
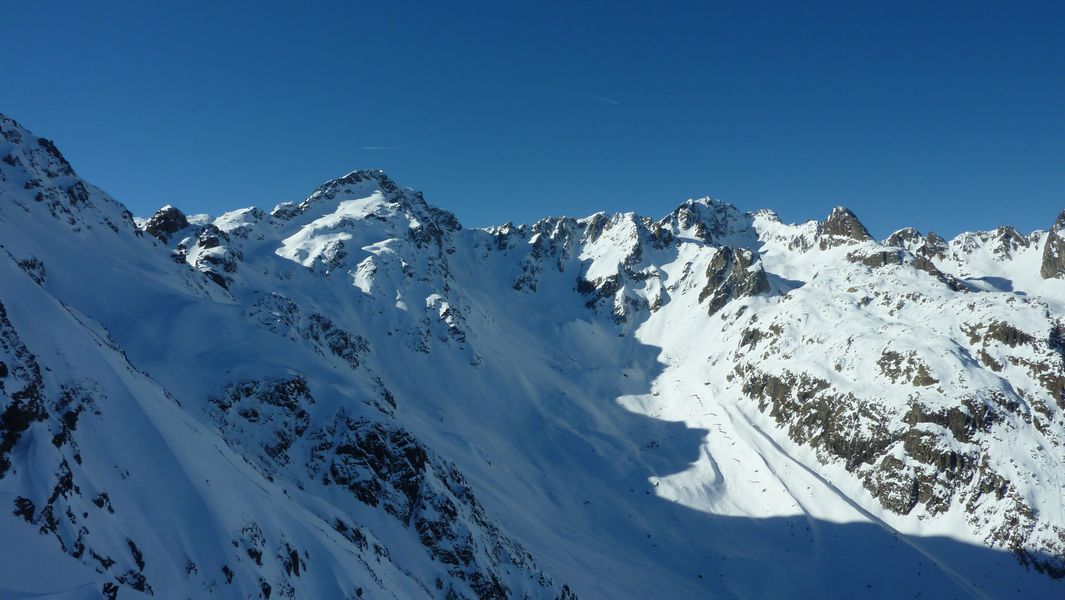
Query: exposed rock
x,y
384,465
272,413
998,331
1007,240
22,388
285,211
875,260
907,368
732,273
934,247
34,267
165,222
710,221
209,251
841,227
1053,265
922,263
904,238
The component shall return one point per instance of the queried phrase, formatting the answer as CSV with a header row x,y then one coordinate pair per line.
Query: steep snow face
x,y
353,396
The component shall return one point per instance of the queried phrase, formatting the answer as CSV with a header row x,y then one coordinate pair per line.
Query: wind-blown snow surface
x,y
356,397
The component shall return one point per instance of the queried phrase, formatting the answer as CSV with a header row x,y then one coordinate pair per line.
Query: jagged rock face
x,y
1004,243
731,275
383,467
433,223
934,451
353,396
904,238
877,259
165,222
930,247
710,221
21,384
40,179
1007,241
273,411
933,248
840,228
1053,265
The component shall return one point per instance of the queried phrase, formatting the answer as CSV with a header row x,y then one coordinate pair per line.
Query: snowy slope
x,y
356,396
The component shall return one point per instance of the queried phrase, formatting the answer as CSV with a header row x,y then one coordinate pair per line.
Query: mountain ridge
x,y
377,368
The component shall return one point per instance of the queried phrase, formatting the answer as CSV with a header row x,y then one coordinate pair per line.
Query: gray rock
x,y
875,260
904,238
730,275
934,247
166,222
841,227
1053,266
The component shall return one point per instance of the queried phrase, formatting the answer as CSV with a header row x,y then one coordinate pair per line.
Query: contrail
x,y
380,148
604,99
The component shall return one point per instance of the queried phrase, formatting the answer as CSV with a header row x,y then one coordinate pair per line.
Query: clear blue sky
x,y
947,116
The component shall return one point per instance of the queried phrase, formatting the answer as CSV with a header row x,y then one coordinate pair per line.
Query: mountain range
x,y
354,396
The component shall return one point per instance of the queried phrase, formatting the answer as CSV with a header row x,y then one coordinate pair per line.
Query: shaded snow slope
x,y
355,396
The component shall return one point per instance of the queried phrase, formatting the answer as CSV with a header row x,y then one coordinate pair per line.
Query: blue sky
x,y
946,116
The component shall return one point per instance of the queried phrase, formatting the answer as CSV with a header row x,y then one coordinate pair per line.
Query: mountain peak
x,y
37,156
360,181
841,227
903,237
713,221
358,176
38,177
707,201
165,222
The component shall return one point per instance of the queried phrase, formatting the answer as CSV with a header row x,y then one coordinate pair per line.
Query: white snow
x,y
622,455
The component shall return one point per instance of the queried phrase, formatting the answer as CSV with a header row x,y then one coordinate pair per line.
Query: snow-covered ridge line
x,y
355,396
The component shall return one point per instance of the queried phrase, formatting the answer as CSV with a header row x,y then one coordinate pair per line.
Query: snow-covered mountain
x,y
356,397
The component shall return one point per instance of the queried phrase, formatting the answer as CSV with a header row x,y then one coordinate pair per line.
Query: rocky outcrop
x,y
44,183
1002,243
21,390
934,247
615,248
904,238
165,222
385,466
877,259
934,452
732,273
710,221
203,246
910,368
840,228
907,464
434,222
53,493
264,417
382,466
212,255
1007,241
922,263
1053,264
